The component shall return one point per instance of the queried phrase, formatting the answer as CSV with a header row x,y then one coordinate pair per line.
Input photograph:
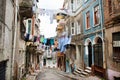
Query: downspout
x,y
14,38
104,54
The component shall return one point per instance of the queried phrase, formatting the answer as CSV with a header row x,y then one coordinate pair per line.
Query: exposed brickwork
x,y
111,22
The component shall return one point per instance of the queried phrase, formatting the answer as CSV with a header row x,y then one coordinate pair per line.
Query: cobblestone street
x,y
54,74
49,74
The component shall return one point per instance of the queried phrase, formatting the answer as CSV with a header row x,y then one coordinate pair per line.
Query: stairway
x,y
82,73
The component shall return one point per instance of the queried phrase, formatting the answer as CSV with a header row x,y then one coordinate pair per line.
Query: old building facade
x,y
112,37
71,25
74,28
85,24
6,35
94,55
13,39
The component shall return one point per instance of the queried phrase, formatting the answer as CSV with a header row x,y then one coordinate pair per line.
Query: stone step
x,y
88,68
81,75
84,73
88,71
75,73
79,69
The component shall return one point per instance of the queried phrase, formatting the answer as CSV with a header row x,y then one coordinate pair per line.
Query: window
x,y
72,29
88,20
98,53
116,46
29,26
96,15
78,27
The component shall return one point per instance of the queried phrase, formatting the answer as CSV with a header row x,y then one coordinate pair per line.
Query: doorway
x,y
98,53
90,54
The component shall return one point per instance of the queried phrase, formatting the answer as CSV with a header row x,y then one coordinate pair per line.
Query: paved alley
x,y
50,74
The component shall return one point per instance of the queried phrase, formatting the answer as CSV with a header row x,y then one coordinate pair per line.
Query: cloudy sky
x,y
47,29
50,4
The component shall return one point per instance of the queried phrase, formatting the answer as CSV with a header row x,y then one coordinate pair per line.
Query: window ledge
x,y
95,25
88,28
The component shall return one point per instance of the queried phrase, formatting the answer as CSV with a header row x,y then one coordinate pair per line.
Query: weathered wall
x,y
113,67
2,27
9,16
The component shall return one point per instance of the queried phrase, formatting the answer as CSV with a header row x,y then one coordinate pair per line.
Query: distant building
x,y
73,27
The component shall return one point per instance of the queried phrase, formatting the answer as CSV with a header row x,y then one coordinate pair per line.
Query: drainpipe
x,y
104,54
14,39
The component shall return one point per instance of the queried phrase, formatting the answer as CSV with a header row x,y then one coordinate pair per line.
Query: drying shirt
x,y
42,39
45,40
61,44
67,40
51,41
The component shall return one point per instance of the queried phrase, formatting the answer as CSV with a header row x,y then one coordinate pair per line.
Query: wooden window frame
x,y
88,20
96,15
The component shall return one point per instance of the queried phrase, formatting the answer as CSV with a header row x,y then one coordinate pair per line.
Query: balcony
x,y
25,11
114,13
26,8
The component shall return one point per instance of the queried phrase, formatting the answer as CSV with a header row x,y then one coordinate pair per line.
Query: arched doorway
x,y
98,52
90,54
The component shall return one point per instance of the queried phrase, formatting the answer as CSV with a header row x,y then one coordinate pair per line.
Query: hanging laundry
x,y
51,41
48,42
35,38
51,17
67,40
38,39
61,44
42,39
27,37
45,40
47,12
31,37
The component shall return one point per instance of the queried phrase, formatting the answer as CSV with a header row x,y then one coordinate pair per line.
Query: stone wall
x,y
9,18
2,26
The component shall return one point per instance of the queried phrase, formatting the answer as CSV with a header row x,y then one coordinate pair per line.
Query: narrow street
x,y
59,39
51,74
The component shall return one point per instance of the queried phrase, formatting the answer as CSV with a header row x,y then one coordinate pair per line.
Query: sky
x,y
47,29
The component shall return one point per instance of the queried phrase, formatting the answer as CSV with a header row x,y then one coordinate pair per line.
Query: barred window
x,y
116,46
